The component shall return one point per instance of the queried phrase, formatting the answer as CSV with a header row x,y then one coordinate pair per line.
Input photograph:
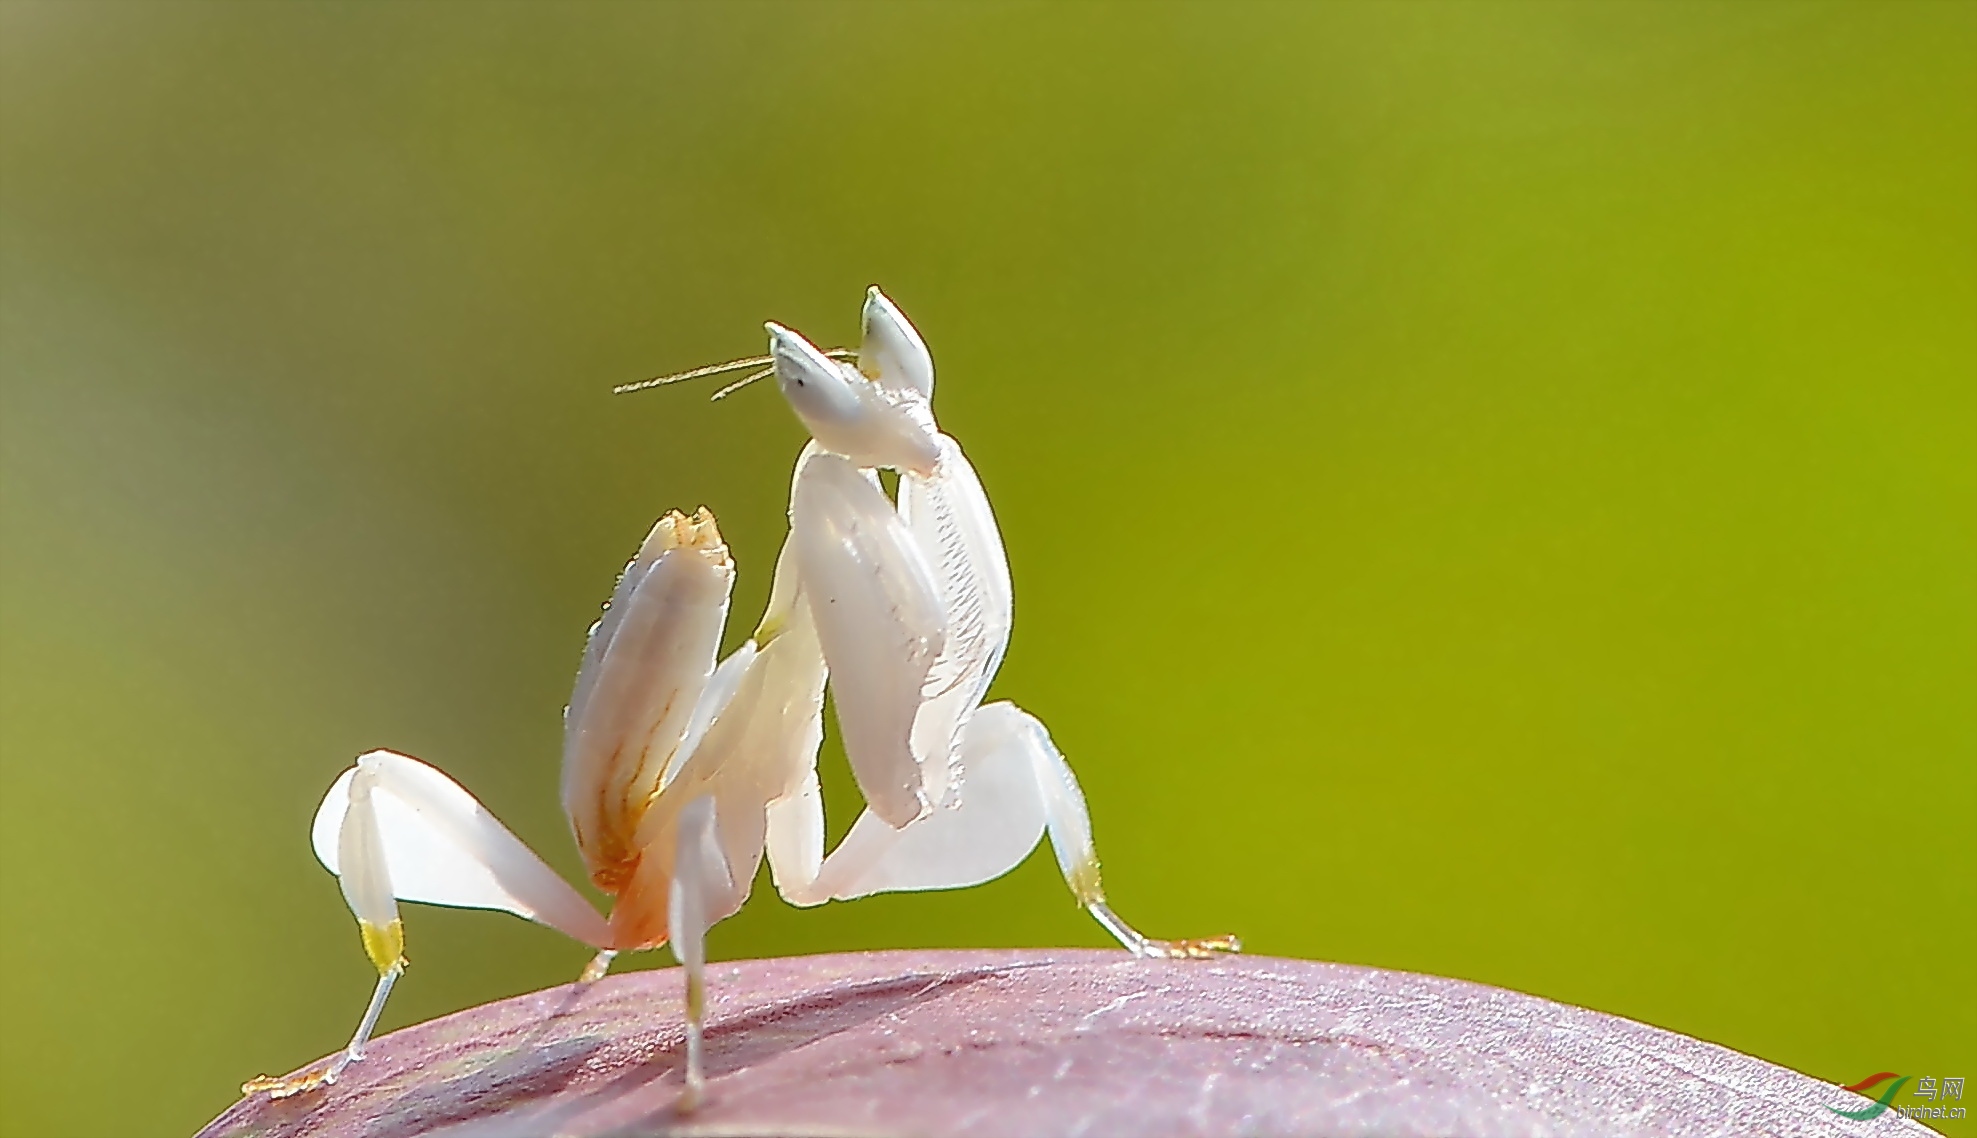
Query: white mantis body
x,y
679,774
921,610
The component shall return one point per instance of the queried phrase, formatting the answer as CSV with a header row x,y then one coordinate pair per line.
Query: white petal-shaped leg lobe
x,y
760,749
357,840
879,619
367,886
366,878
644,675
642,916
717,775
764,742
721,688
701,882
951,524
795,841
439,845
994,827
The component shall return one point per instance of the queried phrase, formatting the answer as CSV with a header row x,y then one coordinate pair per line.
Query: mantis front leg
x,y
880,623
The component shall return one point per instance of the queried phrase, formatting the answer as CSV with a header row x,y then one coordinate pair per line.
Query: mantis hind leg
x,y
1069,825
1015,787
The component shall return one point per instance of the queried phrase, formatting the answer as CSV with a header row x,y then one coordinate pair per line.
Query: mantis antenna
x,y
839,354
738,384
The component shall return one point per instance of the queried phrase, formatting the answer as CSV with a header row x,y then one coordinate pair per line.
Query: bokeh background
x,y
1490,486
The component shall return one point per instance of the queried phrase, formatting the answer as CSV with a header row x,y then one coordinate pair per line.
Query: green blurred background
x,y
1490,486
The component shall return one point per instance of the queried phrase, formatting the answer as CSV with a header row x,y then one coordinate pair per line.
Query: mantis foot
x,y
1141,945
302,1082
598,966
1204,948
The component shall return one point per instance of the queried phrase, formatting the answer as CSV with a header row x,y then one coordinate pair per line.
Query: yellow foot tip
x,y
1205,948
287,1086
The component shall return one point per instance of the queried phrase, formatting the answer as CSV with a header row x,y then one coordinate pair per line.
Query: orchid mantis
x,y
681,773
913,609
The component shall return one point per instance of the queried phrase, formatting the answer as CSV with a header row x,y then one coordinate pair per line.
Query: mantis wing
x,y
879,620
442,847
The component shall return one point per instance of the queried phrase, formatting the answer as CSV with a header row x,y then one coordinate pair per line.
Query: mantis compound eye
x,y
850,415
891,351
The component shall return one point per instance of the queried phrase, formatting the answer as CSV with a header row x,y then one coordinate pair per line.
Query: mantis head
x,y
863,420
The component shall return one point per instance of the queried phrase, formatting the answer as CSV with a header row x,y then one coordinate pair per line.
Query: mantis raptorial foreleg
x,y
880,623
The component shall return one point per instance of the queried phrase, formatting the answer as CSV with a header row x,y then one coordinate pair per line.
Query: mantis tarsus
x,y
680,773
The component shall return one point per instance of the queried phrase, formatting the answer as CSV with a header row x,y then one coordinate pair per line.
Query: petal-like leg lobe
x,y
442,847
987,833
